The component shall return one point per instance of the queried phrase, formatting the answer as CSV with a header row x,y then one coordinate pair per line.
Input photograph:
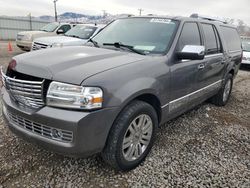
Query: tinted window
x,y
232,38
190,35
65,28
212,42
149,35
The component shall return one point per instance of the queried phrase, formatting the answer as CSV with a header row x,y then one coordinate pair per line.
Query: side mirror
x,y
192,52
60,31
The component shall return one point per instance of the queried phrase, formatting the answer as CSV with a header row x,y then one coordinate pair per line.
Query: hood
x,y
59,39
31,32
72,64
36,34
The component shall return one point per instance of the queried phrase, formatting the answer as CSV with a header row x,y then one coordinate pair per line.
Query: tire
x,y
222,97
117,152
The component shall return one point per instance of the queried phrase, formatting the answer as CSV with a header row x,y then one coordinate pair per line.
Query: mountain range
x,y
68,16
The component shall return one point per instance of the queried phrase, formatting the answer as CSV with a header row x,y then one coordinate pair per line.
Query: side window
x,y
65,28
190,35
231,38
211,43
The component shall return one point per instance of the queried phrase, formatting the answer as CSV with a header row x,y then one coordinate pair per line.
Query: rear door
x,y
233,47
209,76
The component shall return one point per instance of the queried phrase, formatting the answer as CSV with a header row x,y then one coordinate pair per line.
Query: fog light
x,y
56,134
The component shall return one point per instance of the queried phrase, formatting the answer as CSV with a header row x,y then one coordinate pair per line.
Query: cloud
x,y
237,9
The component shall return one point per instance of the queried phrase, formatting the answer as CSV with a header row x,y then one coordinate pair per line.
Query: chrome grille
x,y
39,129
28,93
39,46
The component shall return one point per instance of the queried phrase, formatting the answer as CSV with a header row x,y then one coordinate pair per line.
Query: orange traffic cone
x,y
10,47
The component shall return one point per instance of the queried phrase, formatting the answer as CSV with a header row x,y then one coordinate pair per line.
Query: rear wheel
x,y
131,137
222,97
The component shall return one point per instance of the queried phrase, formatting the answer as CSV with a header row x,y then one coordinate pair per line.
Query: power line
x,y
104,13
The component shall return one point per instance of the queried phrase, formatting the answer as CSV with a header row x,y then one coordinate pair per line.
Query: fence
x,y
10,26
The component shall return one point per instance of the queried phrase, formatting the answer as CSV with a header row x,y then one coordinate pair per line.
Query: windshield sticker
x,y
145,48
161,20
88,30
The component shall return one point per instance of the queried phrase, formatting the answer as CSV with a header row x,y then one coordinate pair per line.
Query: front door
x,y
184,72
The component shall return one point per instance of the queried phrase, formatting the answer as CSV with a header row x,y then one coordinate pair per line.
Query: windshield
x,y
81,31
50,27
149,35
246,46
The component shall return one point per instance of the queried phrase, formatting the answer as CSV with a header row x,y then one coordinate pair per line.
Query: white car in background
x,y
77,36
246,51
24,39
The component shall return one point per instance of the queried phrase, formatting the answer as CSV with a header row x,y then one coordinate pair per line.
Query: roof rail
x,y
210,18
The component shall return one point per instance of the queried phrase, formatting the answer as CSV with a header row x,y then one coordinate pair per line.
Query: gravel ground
x,y
206,147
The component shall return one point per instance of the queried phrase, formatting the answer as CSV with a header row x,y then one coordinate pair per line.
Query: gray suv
x,y
110,96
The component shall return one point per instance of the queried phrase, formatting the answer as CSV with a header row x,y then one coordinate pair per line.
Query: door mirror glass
x,y
192,52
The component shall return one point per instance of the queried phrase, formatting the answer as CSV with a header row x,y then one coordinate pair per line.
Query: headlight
x,y
27,37
54,45
74,97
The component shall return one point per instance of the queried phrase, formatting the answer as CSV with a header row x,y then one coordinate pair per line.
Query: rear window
x,y
232,38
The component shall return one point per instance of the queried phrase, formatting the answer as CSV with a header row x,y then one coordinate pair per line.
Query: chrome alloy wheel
x,y
137,137
227,90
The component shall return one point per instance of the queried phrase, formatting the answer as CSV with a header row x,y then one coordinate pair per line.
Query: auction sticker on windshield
x,y
161,20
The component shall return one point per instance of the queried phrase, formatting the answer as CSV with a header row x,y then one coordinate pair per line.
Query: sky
x,y
236,9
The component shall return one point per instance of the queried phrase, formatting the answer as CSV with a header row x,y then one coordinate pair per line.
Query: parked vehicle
x,y
24,39
76,36
110,97
246,51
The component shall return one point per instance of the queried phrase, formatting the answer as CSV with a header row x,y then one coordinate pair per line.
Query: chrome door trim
x,y
185,99
213,55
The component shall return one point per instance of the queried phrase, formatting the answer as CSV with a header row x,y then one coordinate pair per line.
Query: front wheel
x,y
131,137
222,97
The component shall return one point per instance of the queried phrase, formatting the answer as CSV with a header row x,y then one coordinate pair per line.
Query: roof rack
x,y
210,18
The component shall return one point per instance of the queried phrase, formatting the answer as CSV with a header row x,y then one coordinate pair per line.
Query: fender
x,y
134,89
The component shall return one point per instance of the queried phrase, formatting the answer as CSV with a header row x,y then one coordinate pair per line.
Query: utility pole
x,y
104,13
30,19
140,11
55,9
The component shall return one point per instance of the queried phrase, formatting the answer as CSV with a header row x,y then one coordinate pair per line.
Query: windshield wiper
x,y
119,45
94,42
43,30
75,36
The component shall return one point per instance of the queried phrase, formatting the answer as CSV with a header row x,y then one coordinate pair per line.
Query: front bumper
x,y
90,129
24,45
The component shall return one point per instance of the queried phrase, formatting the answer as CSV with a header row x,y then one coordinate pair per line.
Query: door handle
x,y
201,66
